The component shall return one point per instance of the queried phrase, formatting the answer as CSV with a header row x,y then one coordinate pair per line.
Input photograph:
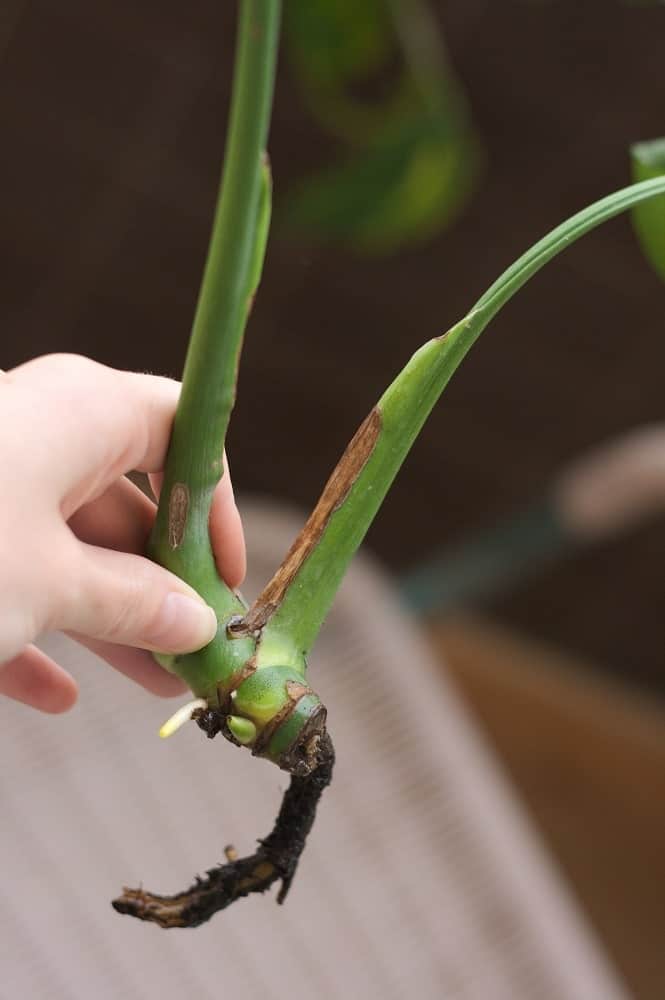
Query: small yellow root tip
x,y
180,717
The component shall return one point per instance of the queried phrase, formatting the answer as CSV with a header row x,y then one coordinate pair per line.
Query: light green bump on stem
x,y
243,730
648,161
263,695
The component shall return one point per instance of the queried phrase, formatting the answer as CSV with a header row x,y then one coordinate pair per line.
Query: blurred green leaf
x,y
338,47
375,74
405,188
340,40
648,160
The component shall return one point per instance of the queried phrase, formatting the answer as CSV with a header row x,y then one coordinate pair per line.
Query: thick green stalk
x,y
180,539
296,601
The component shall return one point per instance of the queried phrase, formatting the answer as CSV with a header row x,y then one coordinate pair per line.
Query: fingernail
x,y
183,625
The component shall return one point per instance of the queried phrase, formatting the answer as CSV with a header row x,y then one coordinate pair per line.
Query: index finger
x,y
87,424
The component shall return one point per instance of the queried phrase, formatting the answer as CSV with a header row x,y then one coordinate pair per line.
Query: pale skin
x,y
74,528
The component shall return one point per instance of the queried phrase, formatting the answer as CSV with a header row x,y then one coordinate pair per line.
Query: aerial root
x,y
276,858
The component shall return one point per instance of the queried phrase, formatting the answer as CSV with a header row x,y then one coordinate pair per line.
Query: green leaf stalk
x,y
252,677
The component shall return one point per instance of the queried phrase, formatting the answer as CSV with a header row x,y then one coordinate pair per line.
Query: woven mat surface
x,y
421,878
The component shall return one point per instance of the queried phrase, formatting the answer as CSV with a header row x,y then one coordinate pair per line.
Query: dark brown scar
x,y
347,470
178,509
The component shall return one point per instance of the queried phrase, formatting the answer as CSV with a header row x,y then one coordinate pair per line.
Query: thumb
x,y
128,599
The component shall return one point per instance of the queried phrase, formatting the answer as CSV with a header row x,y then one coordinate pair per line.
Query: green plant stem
x,y
180,538
346,514
514,277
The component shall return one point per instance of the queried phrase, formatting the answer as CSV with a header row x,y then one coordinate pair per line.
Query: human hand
x,y
73,527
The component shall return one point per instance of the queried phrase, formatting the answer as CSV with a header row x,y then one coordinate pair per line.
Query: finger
x,y
156,479
137,664
120,519
130,600
226,535
89,424
226,532
35,679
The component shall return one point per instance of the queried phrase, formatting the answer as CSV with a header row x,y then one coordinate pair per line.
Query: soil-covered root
x,y
275,859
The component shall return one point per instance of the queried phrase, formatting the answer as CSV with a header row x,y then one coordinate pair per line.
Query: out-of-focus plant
x,y
250,682
648,161
377,78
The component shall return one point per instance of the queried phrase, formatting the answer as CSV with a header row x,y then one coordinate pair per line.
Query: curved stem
x,y
514,277
297,599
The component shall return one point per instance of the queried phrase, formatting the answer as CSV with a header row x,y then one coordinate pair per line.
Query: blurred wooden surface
x,y
588,759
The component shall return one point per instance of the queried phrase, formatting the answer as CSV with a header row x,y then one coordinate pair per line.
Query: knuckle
x,y
68,366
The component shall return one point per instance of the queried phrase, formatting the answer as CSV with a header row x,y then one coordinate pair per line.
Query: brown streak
x,y
334,494
295,692
245,671
178,508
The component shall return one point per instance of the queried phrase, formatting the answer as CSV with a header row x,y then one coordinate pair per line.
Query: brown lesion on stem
x,y
178,510
276,859
334,494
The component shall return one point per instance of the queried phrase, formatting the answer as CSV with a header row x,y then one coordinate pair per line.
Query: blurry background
x,y
417,149
112,119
